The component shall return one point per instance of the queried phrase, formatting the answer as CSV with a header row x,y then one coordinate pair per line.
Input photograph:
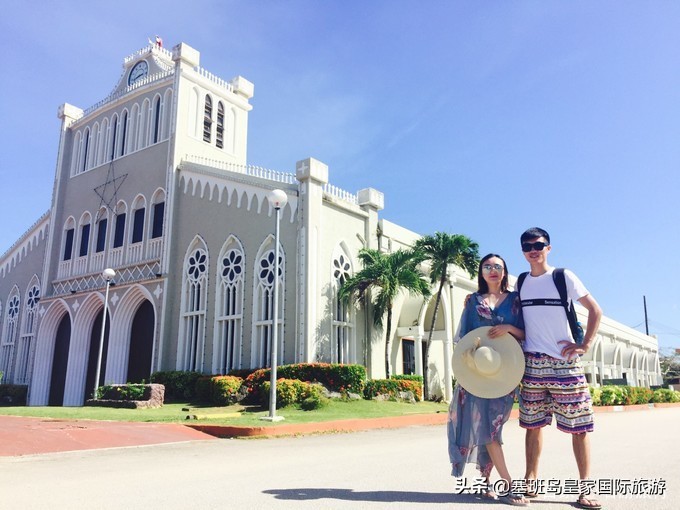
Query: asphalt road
x,y
380,469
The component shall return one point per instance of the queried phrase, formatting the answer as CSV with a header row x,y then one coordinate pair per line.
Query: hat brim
x,y
504,380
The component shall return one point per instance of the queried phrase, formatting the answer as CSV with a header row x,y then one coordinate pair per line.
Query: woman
x,y
475,424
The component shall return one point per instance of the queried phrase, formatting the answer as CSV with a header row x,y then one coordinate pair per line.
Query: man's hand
x,y
571,349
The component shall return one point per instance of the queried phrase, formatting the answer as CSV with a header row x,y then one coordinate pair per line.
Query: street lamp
x,y
277,199
108,275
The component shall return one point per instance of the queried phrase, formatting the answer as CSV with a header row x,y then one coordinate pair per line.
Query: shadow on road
x,y
377,496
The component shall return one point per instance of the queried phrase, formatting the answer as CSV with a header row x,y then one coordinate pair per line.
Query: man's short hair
x,y
533,233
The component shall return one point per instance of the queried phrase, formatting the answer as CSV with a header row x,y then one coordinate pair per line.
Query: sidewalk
x,y
31,436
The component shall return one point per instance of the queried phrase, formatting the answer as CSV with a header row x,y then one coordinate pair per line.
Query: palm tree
x,y
386,274
442,249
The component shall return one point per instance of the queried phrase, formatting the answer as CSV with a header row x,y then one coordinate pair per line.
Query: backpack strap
x,y
561,284
520,281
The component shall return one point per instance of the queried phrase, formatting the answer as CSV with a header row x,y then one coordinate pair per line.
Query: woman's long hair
x,y
482,286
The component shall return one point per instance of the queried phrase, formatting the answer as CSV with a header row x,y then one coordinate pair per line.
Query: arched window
x,y
69,234
158,214
27,340
123,136
75,153
156,135
229,308
102,227
342,346
144,124
84,240
167,114
102,143
219,130
264,306
9,336
138,215
86,150
119,229
133,132
194,291
114,132
207,119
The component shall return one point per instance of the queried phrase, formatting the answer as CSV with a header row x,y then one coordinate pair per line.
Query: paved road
x,y
381,469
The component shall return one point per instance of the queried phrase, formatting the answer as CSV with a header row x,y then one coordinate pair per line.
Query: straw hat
x,y
488,368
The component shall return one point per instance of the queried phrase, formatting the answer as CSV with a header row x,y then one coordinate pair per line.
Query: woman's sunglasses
x,y
538,246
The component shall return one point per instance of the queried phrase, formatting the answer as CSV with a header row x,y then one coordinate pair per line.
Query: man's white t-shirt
x,y
545,326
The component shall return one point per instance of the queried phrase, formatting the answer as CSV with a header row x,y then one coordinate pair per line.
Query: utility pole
x,y
644,301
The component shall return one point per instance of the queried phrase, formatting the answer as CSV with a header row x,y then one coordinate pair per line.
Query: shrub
x,y
122,392
180,386
664,395
410,377
13,394
596,396
613,395
225,389
315,401
335,377
392,387
203,389
288,391
639,395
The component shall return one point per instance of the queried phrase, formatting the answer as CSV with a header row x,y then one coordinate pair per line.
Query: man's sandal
x,y
584,501
514,499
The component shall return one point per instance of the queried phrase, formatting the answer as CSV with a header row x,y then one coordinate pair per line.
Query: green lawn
x,y
232,415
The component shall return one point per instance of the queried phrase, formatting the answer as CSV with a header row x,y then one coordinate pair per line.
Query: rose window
x,y
232,267
197,265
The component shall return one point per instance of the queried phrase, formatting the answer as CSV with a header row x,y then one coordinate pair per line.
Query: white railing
x,y
336,192
64,269
254,171
97,262
135,253
155,247
138,84
116,257
215,79
80,265
154,49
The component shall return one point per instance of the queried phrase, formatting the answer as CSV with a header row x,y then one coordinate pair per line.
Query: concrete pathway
x,y
404,468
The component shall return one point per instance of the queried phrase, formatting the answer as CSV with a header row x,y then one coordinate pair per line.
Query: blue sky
x,y
480,118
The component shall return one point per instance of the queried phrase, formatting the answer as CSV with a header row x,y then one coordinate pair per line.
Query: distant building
x,y
153,182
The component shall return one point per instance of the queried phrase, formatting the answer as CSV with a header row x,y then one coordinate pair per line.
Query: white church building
x,y
153,182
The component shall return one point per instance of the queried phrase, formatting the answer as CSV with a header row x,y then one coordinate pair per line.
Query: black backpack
x,y
565,302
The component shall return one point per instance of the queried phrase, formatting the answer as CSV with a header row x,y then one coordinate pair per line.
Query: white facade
x,y
153,182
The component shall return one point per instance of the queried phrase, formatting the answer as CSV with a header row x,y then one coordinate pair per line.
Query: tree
x,y
670,365
384,275
441,250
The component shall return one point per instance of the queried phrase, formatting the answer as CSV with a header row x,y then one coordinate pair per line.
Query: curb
x,y
392,422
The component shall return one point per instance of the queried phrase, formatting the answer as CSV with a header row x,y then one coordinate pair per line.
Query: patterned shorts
x,y
554,386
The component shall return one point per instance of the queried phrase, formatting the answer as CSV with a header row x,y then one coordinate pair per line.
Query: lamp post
x,y
108,275
277,199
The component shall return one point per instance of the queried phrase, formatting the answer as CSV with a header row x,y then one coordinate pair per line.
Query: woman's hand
x,y
501,329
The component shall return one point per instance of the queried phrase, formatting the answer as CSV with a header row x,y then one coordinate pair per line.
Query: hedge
x,y
334,376
392,387
13,394
631,395
180,386
295,391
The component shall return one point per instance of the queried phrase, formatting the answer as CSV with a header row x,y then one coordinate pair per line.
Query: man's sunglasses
x,y
538,246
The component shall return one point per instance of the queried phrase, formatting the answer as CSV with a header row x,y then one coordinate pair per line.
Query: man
x,y
554,382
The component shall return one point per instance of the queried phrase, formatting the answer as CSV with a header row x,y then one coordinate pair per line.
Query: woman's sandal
x,y
514,499
584,501
489,494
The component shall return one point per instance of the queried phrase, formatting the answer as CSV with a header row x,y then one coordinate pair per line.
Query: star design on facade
x,y
114,299
108,192
158,291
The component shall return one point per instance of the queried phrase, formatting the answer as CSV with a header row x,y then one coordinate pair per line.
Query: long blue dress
x,y
474,422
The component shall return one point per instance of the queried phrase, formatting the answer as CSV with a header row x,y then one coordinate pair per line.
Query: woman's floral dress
x,y
473,421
